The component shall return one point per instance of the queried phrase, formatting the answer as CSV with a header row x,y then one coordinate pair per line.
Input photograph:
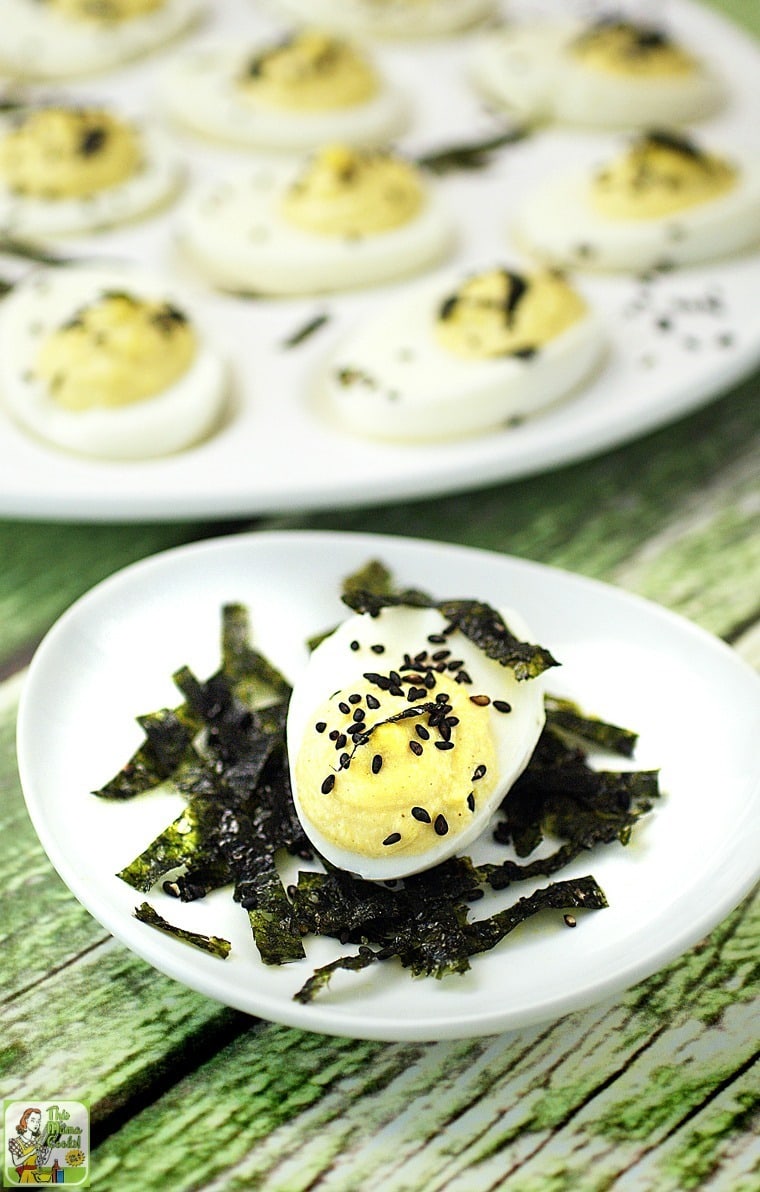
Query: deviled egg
x,y
612,74
455,357
57,39
67,170
390,18
348,218
404,736
105,361
663,200
301,92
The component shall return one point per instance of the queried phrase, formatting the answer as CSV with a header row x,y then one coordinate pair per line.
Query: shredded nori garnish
x,y
224,749
469,155
207,943
12,247
478,621
301,334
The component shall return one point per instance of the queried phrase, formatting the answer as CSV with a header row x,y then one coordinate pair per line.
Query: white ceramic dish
x,y
693,701
676,342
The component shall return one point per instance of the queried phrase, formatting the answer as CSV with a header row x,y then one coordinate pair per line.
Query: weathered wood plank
x,y
46,566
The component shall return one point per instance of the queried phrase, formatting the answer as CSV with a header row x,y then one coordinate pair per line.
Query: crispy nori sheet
x,y
434,937
564,716
207,943
478,621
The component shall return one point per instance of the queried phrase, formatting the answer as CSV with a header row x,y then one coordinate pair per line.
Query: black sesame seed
x,y
334,734
455,664
393,838
420,658
444,744
359,714
445,731
343,761
415,747
395,678
430,681
341,741
463,677
422,732
320,726
372,702
480,771
356,727
501,705
377,764
440,825
378,648
570,920
354,645
344,708
419,813
471,800
355,698
481,700
442,697
440,654
328,784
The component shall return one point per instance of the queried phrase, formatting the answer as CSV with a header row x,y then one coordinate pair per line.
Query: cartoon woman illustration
x,y
28,1151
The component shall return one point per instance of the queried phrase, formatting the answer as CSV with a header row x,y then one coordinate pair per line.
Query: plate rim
x,y
167,955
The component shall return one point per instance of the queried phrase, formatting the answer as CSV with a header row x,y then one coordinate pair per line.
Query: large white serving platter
x,y
677,341
693,701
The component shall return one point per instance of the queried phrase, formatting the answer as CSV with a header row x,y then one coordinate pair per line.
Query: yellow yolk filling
x,y
616,47
367,804
117,351
65,153
105,10
345,192
659,176
310,72
500,313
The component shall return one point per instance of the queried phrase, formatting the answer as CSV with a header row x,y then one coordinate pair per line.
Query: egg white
x,y
181,415
155,183
409,388
38,42
200,92
529,70
236,235
559,226
393,18
335,665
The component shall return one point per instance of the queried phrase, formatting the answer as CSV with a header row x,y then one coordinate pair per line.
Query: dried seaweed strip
x,y
168,746
565,716
469,155
258,888
320,978
189,840
576,894
500,876
213,944
253,677
199,879
485,628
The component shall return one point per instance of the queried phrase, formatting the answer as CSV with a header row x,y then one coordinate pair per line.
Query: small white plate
x,y
676,342
694,702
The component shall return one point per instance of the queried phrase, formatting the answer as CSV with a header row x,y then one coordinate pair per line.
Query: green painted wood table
x,y
656,1088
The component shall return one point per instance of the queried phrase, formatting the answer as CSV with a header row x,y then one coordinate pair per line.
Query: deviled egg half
x,y
664,200
390,18
455,357
68,170
107,362
303,91
347,218
404,736
612,74
58,39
